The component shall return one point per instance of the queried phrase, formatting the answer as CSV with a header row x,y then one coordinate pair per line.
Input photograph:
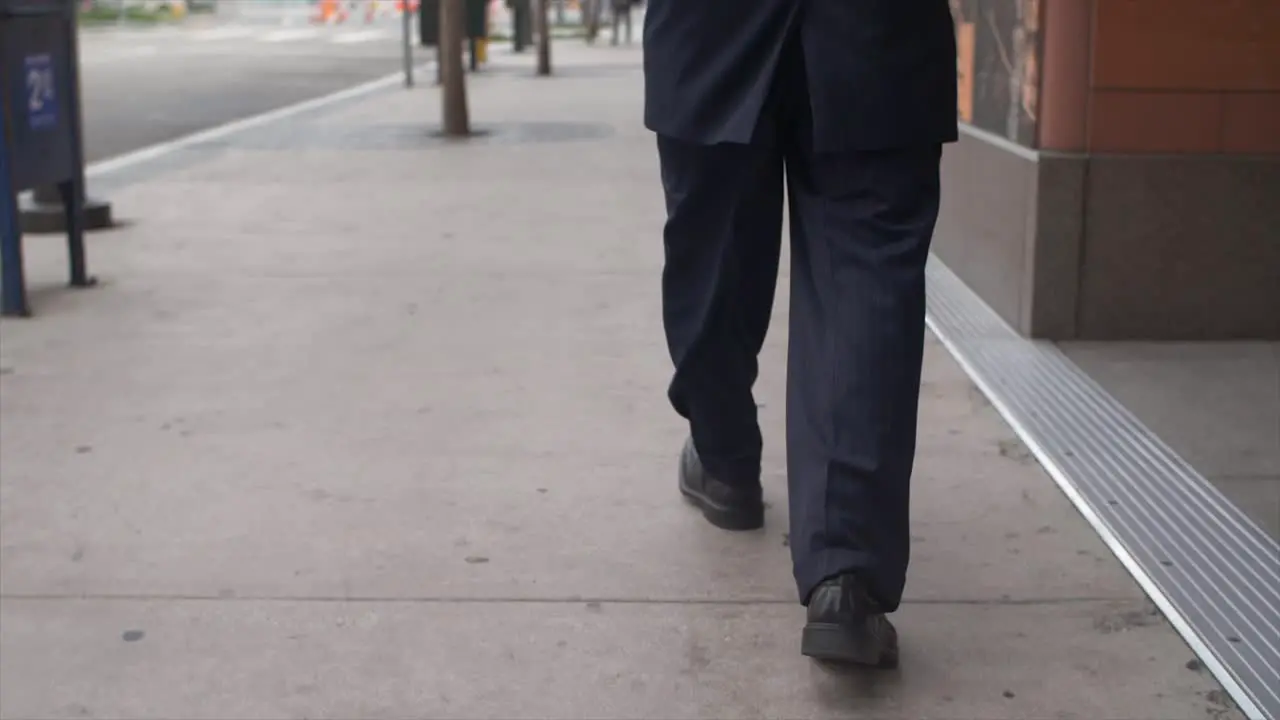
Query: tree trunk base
x,y
440,133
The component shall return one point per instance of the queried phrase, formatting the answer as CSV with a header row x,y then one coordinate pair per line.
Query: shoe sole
x,y
833,643
737,519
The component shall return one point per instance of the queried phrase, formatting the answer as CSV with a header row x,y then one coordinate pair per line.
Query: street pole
x,y
591,18
406,26
517,40
544,37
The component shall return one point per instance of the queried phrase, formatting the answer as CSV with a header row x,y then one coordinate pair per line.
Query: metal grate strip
x,y
1209,568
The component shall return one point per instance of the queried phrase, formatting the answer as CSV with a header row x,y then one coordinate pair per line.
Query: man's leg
x,y
722,240
862,223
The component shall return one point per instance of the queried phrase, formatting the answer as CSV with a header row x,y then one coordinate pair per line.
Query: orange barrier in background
x,y
330,11
337,11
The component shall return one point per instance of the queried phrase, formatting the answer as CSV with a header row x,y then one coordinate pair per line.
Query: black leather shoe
x,y
846,626
726,506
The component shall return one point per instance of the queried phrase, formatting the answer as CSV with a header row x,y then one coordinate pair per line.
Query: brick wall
x,y
1184,76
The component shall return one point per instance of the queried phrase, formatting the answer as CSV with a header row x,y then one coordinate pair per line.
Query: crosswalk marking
x,y
96,56
359,36
230,32
289,35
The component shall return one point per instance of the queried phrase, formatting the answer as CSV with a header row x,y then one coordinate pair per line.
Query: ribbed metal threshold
x,y
1212,572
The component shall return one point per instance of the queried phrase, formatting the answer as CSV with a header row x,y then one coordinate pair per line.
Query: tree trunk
x,y
457,122
544,36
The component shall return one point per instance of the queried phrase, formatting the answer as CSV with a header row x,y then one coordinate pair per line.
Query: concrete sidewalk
x,y
364,424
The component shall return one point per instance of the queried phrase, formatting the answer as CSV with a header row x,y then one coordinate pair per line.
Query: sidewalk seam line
x,y
978,602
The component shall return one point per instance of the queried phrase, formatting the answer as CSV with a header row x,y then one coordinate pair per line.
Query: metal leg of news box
x,y
74,194
73,205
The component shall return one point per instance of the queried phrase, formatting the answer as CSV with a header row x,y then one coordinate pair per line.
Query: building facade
x,y
1118,173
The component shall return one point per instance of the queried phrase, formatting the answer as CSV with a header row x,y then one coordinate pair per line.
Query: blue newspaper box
x,y
40,130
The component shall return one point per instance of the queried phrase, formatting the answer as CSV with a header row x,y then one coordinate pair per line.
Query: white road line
x,y
279,36
96,57
137,157
359,36
223,33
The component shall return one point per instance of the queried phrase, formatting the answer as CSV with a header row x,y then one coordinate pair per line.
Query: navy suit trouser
x,y
861,224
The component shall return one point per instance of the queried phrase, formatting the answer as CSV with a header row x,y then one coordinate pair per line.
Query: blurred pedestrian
x,y
621,16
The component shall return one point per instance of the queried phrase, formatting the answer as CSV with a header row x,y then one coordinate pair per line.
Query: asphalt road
x,y
146,86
